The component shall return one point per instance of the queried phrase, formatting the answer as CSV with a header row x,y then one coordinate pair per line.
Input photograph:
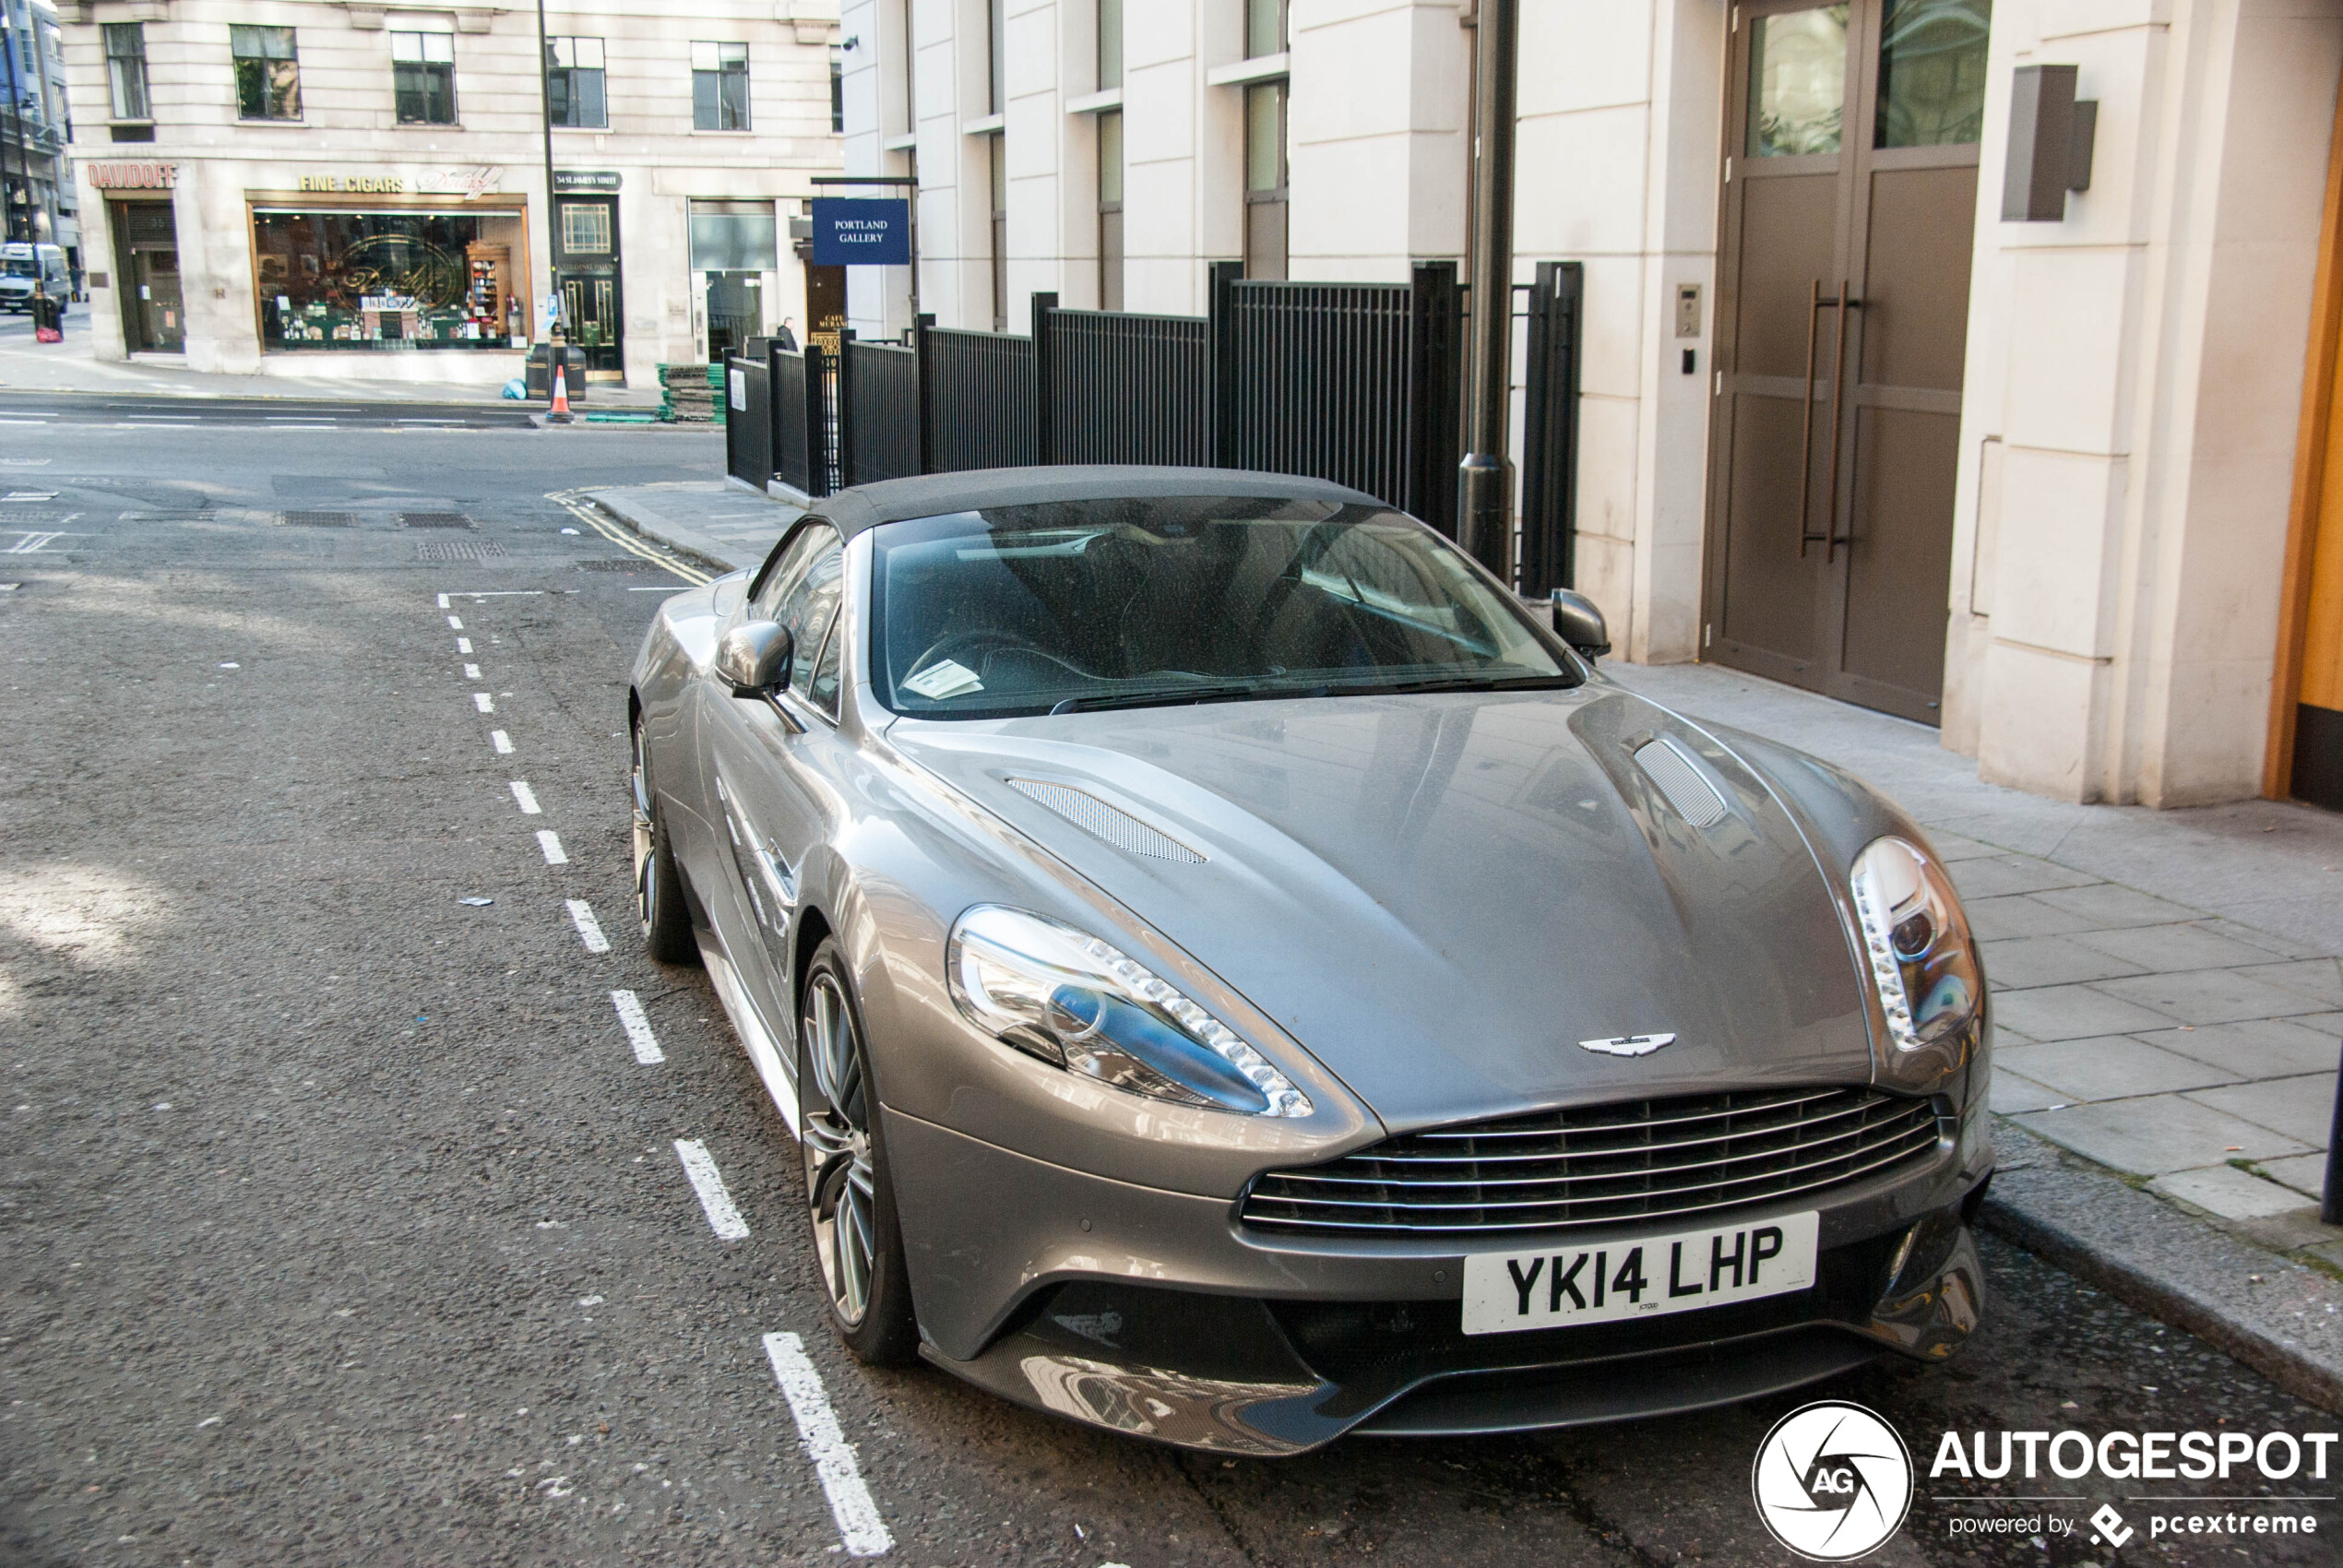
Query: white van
x,y
20,264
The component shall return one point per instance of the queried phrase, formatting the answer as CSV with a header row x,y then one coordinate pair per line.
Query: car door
x,y
764,763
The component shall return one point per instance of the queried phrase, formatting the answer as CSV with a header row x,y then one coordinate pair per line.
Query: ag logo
x,y
1832,1481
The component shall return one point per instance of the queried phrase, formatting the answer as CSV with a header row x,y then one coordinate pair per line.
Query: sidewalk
x,y
2168,1002
28,366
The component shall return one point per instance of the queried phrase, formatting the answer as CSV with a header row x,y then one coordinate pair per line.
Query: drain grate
x,y
623,563
319,519
433,520
453,549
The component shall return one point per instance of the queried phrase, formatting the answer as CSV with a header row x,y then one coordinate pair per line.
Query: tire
x,y
660,908
850,1196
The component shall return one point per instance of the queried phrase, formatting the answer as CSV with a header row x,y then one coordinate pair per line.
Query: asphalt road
x,y
342,1222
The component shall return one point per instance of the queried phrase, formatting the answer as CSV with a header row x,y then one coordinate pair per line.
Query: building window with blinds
x,y
1110,209
1264,180
574,83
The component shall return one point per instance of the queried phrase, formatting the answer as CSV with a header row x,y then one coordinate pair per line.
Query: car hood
x,y
1440,895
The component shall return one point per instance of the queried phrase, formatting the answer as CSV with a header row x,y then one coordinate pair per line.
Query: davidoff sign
x,y
134,176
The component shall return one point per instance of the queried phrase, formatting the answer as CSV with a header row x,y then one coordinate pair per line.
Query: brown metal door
x,y
1843,307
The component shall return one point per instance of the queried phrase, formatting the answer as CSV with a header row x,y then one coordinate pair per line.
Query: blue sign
x,y
862,233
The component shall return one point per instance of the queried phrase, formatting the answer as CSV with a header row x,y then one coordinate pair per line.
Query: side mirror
x,y
752,658
1581,624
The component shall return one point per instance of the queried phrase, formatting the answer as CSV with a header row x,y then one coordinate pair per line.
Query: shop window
x,y
423,74
126,69
1265,29
268,73
574,83
1265,181
1110,209
719,87
734,236
388,280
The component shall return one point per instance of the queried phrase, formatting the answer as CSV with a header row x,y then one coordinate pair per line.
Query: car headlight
x,y
1917,942
1078,1004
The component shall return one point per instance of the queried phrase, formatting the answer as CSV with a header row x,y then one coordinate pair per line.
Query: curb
x,y
2279,1317
684,541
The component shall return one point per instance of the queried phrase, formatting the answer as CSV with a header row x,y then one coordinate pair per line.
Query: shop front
x,y
376,270
140,216
587,273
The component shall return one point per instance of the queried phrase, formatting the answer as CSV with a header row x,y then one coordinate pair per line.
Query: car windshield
x,y
1125,603
12,267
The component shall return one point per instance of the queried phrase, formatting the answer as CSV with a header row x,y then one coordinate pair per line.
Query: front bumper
x,y
1154,1313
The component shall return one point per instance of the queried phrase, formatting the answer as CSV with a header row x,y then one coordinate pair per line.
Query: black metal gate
x,y
1115,386
879,392
748,422
1550,429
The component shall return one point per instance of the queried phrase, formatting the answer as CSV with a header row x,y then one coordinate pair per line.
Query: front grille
x,y
1644,1160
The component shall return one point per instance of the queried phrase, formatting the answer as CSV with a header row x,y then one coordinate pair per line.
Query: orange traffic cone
x,y
560,414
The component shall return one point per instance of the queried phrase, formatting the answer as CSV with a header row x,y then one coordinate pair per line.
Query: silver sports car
x,y
1239,975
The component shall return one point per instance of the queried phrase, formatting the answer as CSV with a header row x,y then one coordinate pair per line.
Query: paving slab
x,y
2072,1012
2020,914
2229,1192
2108,1067
2169,947
2013,1092
2013,873
2107,905
2256,1048
2300,1108
2156,1134
2210,996
2304,1173
2318,978
2327,1024
2021,963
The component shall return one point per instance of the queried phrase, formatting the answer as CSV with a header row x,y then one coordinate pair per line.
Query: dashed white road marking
x,y
708,1182
527,797
471,671
501,741
463,645
589,930
551,842
638,1029
442,602
454,622
484,701
858,1525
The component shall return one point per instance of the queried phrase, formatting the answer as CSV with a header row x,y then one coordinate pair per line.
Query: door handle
x,y
1831,542
1816,305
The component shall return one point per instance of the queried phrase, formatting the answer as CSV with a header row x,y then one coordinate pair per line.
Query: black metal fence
x,y
879,392
976,399
1357,383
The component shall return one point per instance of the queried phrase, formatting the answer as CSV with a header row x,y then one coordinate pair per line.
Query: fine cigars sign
x,y
134,176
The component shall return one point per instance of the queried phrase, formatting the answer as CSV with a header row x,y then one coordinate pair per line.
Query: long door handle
x,y
1806,424
1831,542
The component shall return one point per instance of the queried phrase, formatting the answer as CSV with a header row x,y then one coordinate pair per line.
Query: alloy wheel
x,y
839,1180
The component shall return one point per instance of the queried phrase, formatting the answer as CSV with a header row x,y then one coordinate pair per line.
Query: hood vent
x,y
1109,824
1687,788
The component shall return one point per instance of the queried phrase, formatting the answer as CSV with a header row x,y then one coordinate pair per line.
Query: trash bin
x,y
572,360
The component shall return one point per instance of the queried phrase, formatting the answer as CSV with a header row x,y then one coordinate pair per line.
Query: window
x,y
268,73
996,32
910,72
1798,82
1264,27
1110,44
998,155
1265,181
586,227
1932,72
838,90
1110,209
422,77
574,83
719,87
419,281
126,69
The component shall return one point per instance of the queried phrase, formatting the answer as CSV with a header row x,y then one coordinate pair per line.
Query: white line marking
x,y
503,593
501,741
484,701
471,671
23,422
589,930
528,799
859,1524
453,623
551,842
638,1029
463,645
442,602
31,545
708,1182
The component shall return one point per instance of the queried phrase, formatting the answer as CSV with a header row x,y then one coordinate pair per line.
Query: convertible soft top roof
x,y
930,495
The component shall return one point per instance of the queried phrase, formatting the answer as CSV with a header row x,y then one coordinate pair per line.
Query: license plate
x,y
1638,1275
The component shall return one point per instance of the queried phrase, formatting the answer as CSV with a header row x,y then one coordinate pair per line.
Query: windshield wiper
x,y
1454,684
1173,697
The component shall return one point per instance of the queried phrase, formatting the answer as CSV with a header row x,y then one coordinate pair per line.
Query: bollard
x,y
2331,1195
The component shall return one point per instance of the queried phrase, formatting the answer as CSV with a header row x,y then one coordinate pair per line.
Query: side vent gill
x,y
1693,797
1109,824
